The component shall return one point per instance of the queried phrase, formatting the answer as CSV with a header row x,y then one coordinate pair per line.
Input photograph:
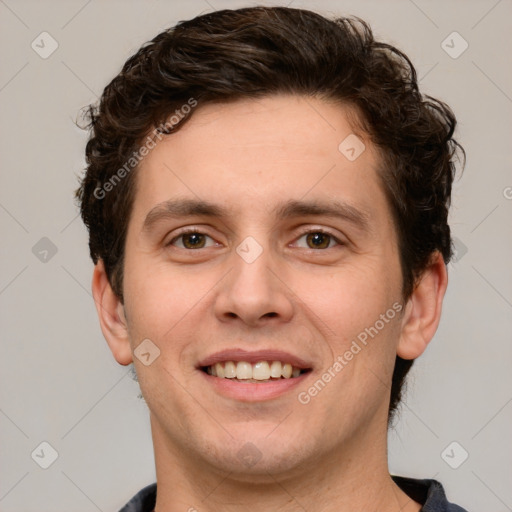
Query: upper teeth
x,y
262,370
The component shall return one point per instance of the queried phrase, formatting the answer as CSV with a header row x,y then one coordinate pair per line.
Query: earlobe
x,y
111,316
423,310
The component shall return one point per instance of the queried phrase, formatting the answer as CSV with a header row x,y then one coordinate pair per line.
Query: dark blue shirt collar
x,y
429,493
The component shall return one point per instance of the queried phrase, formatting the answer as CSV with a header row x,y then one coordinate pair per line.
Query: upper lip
x,y
239,354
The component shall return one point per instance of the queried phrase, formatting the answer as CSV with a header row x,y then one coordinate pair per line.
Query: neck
x,y
353,477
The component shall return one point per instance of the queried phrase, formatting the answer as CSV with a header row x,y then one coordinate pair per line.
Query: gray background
x,y
60,383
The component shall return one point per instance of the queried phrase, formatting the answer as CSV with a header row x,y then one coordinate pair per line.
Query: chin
x,y
261,458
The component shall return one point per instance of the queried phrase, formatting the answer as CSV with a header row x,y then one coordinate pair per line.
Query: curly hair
x,y
254,52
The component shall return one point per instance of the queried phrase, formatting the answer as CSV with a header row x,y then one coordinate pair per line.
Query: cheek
x,y
358,316
157,297
168,307
353,297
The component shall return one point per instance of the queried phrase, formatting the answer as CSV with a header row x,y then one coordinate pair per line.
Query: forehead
x,y
253,155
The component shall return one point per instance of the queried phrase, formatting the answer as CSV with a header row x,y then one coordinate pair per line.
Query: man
x,y
267,196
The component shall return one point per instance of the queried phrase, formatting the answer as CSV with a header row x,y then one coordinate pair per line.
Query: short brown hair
x,y
253,52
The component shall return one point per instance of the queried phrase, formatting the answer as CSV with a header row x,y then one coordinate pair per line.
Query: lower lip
x,y
253,391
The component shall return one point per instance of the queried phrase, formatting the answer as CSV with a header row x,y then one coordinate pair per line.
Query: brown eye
x,y
190,240
193,240
318,240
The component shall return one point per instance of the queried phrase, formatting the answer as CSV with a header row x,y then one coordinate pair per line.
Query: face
x,y
257,248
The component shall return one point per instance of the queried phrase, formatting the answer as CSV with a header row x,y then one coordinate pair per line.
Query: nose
x,y
254,291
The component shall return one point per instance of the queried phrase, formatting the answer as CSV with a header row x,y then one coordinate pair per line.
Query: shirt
x,y
429,493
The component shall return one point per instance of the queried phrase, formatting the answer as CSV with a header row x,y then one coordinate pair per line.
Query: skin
x,y
329,454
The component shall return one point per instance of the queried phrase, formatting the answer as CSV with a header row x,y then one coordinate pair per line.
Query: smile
x,y
253,376
261,371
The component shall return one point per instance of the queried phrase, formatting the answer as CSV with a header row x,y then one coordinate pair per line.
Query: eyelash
x,y
198,232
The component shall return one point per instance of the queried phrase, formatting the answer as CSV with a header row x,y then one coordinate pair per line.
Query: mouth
x,y
253,376
261,371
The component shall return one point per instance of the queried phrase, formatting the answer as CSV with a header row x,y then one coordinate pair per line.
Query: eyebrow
x,y
181,208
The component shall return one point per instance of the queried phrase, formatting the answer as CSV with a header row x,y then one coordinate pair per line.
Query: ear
x,y
111,315
423,310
